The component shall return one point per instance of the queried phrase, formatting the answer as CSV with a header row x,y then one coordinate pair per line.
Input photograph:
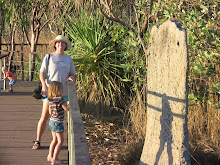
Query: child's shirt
x,y
10,75
57,110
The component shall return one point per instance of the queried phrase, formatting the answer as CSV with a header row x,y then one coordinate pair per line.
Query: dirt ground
x,y
108,141
111,144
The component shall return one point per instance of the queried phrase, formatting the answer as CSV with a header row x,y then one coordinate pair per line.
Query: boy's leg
x,y
10,86
11,83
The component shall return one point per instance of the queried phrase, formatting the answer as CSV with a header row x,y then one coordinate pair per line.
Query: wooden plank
x,y
79,151
19,116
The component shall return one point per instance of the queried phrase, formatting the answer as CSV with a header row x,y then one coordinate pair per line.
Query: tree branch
x,y
147,17
26,35
112,16
139,30
45,23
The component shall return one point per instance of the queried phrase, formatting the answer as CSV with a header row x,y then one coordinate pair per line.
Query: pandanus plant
x,y
96,58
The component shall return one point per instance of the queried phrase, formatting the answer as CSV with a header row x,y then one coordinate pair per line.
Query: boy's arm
x,y
65,106
5,76
3,79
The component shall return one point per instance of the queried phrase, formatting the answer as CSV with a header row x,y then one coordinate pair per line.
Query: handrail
x,y
2,56
18,51
77,143
30,56
0,75
24,44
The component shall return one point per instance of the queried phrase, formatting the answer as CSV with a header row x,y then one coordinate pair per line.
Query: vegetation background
x,y
109,43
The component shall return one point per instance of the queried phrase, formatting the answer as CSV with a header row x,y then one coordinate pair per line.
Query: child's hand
x,y
66,107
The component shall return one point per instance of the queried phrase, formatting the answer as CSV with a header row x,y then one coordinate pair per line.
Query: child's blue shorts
x,y
56,126
12,81
65,98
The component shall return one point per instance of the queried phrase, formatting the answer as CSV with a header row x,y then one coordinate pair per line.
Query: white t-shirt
x,y
59,69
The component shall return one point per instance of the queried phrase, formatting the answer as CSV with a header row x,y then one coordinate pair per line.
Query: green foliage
x,y
106,57
203,50
201,21
96,55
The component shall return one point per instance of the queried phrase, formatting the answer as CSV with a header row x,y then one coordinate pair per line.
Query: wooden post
x,y
4,85
30,66
1,76
77,143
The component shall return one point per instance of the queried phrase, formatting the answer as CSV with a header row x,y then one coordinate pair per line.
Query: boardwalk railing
x,y
77,143
2,56
21,62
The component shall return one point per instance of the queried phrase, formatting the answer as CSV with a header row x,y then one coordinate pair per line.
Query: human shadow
x,y
166,130
47,147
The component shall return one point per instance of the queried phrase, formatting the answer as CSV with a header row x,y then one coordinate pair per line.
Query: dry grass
x,y
138,114
204,133
203,126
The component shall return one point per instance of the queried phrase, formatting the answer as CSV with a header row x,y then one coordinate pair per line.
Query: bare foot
x,y
57,161
49,158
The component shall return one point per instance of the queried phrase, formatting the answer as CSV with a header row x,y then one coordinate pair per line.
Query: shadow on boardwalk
x,y
19,115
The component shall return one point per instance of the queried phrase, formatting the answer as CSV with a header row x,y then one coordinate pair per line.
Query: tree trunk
x,y
32,56
22,57
2,26
11,55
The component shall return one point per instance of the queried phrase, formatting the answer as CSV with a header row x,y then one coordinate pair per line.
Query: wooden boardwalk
x,y
19,115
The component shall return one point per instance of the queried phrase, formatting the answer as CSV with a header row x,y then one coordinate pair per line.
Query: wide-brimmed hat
x,y
61,38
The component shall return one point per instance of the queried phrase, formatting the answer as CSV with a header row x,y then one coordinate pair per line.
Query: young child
x,y
56,110
12,78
